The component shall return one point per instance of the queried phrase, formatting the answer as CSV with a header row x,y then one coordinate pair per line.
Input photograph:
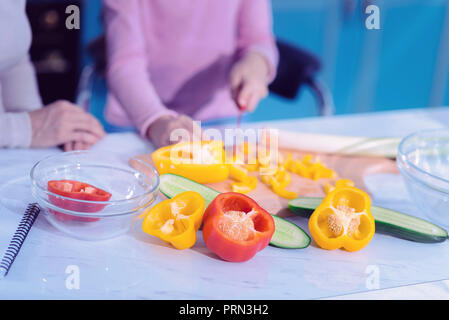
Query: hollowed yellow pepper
x,y
202,161
343,220
176,220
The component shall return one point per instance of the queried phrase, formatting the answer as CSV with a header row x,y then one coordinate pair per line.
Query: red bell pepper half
x,y
80,191
236,227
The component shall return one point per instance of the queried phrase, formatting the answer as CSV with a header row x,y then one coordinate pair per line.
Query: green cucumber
x,y
388,221
286,235
172,184
304,207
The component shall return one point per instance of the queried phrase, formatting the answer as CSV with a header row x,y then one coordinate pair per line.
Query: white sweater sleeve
x,y
15,130
19,94
19,87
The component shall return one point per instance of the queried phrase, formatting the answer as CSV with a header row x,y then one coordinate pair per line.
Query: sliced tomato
x,y
80,191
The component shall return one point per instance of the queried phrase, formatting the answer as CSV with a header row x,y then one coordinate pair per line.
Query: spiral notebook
x,y
30,215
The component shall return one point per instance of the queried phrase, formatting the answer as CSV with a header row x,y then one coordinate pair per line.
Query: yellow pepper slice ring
x,y
343,220
176,220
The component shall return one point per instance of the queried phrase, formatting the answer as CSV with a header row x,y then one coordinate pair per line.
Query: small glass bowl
x,y
423,160
133,191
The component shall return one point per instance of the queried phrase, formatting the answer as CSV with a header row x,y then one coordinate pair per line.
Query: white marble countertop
x,y
137,266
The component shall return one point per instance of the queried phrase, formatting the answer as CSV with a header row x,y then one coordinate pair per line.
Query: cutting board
x,y
349,167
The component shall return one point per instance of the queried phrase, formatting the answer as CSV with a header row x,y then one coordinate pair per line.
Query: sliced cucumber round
x,y
286,235
388,221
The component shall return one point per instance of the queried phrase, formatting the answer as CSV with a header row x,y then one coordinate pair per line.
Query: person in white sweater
x,y
24,122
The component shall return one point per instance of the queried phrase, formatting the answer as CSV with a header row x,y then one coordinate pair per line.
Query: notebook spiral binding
x,y
19,237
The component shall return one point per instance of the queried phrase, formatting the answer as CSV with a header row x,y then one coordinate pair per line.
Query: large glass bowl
x,y
133,191
423,160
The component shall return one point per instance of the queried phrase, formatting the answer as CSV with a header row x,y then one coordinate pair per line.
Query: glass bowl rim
x,y
403,158
120,201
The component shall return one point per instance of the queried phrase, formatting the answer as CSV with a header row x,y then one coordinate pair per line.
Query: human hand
x,y
160,131
249,81
63,123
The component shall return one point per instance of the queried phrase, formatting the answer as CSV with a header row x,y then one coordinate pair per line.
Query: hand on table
x,y
161,129
249,81
63,123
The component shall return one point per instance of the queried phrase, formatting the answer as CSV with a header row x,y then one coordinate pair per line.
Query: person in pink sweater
x,y
173,61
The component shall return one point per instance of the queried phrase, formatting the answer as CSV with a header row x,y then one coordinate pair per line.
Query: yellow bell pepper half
x,y
343,220
201,161
176,220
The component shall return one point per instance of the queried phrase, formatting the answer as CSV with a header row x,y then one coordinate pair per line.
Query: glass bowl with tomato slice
x,y
93,196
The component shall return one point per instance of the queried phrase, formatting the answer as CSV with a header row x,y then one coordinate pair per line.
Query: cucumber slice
x,y
407,227
173,184
388,221
286,235
304,207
